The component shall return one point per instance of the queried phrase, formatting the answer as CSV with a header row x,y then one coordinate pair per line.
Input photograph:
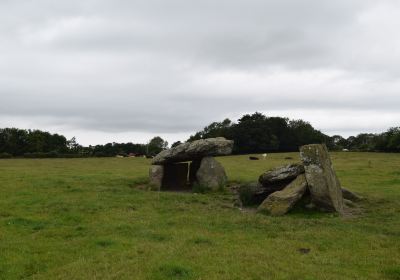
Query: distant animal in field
x,y
253,158
264,156
288,158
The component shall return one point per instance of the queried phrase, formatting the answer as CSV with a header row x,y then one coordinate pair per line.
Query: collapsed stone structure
x,y
278,190
171,170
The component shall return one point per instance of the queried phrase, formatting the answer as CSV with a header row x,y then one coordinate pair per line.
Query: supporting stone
x,y
280,202
211,174
175,176
156,174
323,183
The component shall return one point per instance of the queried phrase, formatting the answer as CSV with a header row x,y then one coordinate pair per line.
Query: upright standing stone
x,y
156,174
323,183
211,174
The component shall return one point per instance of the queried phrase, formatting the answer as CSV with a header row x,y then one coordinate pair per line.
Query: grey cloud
x,y
173,66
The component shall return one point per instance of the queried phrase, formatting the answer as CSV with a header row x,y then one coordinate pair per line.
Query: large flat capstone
x,y
195,150
323,183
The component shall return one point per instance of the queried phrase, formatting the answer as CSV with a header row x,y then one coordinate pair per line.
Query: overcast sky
x,y
114,70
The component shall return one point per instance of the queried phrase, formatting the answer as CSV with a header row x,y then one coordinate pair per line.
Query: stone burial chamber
x,y
190,163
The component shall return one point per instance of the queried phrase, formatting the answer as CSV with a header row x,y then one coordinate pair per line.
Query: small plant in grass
x,y
201,241
392,273
105,243
153,187
26,223
173,271
157,237
198,188
222,188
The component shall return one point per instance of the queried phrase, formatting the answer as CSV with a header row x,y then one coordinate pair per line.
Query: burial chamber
x,y
181,167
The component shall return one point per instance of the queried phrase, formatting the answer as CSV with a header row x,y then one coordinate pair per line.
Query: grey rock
x,y
280,202
350,195
156,174
211,174
195,150
324,186
281,175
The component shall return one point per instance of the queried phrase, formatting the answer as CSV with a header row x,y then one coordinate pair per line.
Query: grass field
x,y
84,219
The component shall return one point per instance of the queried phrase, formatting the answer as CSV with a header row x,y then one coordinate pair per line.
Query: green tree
x,y
254,133
156,145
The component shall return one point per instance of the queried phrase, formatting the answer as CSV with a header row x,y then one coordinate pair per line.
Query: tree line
x,y
388,141
257,133
252,133
16,142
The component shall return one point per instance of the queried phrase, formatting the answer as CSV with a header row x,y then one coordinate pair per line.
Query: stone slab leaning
x,y
280,202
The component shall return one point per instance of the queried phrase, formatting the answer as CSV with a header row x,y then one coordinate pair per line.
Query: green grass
x,y
84,219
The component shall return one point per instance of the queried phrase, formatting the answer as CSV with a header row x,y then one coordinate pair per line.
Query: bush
x,y
5,155
54,155
41,155
101,154
73,156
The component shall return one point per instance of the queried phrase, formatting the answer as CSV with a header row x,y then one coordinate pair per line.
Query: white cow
x,y
264,156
